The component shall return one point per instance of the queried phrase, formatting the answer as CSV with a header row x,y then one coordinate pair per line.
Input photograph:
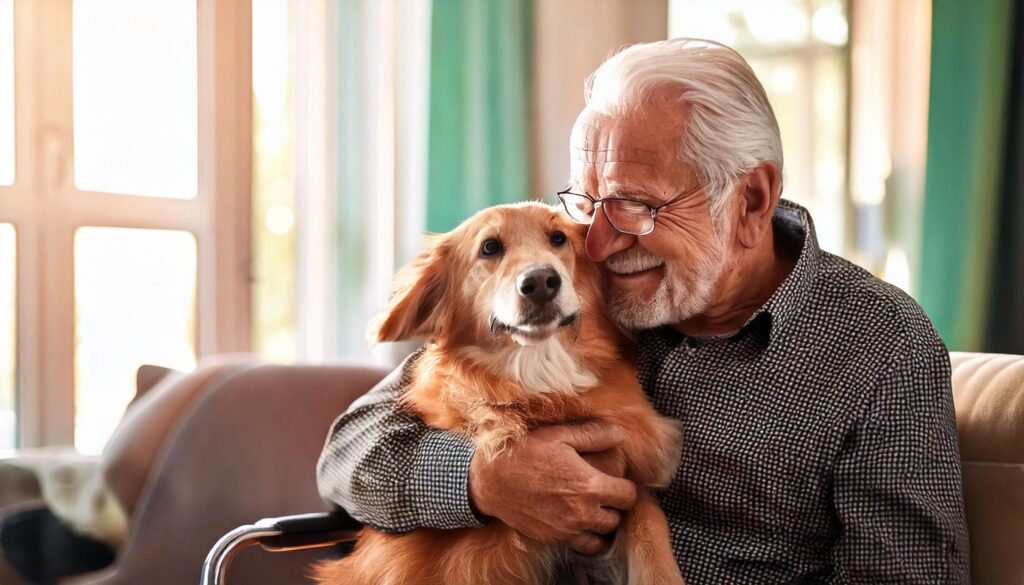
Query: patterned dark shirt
x,y
820,439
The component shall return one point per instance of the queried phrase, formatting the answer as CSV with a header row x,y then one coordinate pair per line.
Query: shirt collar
x,y
793,224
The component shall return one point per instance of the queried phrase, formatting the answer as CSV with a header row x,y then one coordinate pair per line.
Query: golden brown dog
x,y
517,337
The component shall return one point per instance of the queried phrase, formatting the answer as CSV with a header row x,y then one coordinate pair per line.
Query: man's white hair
x,y
731,127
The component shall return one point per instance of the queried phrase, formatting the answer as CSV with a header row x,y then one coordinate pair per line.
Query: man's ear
x,y
412,312
762,188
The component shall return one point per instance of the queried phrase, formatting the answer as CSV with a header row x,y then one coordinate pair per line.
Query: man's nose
x,y
603,240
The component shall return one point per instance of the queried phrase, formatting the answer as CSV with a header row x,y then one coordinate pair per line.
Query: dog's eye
x,y
558,239
490,247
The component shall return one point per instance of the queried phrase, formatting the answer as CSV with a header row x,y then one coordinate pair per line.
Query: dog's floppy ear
x,y
413,311
577,232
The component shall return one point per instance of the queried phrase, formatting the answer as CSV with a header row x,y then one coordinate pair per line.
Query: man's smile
x,y
635,269
641,281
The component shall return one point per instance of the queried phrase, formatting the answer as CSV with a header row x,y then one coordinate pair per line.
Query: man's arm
x,y
390,471
898,492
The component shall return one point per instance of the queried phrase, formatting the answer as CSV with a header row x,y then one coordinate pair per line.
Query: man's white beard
x,y
679,296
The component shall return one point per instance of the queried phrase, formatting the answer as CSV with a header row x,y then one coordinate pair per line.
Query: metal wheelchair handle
x,y
277,535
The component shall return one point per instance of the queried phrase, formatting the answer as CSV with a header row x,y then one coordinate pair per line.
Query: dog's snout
x,y
539,285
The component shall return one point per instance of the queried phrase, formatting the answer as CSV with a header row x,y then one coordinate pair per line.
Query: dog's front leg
x,y
649,555
496,428
653,447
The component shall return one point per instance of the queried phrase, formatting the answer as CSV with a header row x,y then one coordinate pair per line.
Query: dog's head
x,y
511,273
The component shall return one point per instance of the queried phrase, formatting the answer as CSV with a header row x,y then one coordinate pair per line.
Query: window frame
x,y
46,208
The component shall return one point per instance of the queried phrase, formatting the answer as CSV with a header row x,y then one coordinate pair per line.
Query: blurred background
x,y
179,180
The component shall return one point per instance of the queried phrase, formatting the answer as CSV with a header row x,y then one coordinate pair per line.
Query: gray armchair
x,y
246,447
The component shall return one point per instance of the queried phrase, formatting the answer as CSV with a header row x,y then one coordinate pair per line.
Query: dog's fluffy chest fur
x,y
540,368
495,398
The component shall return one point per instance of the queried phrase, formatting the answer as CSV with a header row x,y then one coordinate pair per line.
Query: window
x,y
8,333
274,187
6,92
135,111
799,51
129,207
135,301
849,84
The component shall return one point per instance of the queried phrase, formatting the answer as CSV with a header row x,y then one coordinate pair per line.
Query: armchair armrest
x,y
278,535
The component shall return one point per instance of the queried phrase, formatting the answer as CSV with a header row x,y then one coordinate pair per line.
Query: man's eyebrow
x,y
574,185
626,189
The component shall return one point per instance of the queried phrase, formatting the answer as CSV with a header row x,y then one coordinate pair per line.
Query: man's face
x,y
669,275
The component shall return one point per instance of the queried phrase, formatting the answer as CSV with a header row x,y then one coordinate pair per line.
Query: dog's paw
x,y
669,451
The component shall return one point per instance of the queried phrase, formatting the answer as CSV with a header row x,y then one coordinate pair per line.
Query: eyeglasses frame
x,y
652,208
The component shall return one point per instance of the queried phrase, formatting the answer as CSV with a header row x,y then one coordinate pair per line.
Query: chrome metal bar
x,y
319,544
216,565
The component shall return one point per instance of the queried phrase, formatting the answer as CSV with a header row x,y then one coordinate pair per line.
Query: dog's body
x,y
500,363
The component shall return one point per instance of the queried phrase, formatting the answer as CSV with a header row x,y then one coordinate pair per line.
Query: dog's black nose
x,y
539,285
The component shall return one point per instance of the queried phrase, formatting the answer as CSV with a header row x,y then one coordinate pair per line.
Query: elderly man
x,y
820,440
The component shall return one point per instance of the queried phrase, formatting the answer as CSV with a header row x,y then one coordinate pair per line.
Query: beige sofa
x,y
246,449
988,390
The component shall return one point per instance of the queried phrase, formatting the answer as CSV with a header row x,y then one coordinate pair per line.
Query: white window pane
x,y
829,23
786,82
741,24
8,337
830,108
135,303
135,97
6,92
273,227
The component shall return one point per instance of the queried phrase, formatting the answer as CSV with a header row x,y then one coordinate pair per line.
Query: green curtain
x,y
352,200
478,133
480,85
1005,332
967,123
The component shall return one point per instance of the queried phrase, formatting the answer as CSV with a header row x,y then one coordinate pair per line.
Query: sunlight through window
x,y
135,97
274,194
799,51
6,92
135,304
8,337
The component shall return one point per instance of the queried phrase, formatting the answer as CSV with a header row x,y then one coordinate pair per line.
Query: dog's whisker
x,y
577,325
496,326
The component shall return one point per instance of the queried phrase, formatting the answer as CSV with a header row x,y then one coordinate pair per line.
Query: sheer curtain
x,y
434,110
427,109
377,123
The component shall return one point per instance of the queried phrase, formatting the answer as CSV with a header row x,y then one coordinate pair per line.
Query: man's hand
x,y
543,487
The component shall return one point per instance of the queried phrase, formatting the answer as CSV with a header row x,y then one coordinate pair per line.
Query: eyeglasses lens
x,y
578,207
631,217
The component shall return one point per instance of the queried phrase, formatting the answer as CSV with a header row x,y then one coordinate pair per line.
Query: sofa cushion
x,y
994,498
988,390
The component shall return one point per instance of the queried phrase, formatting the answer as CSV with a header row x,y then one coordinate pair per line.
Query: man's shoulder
x,y
880,331
864,305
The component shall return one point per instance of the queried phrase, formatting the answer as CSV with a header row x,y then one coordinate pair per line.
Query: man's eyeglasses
x,y
629,216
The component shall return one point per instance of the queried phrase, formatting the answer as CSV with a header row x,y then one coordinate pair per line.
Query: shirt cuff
x,y
440,481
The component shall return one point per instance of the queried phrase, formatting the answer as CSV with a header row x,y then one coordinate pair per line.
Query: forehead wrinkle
x,y
632,155
606,173
584,132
